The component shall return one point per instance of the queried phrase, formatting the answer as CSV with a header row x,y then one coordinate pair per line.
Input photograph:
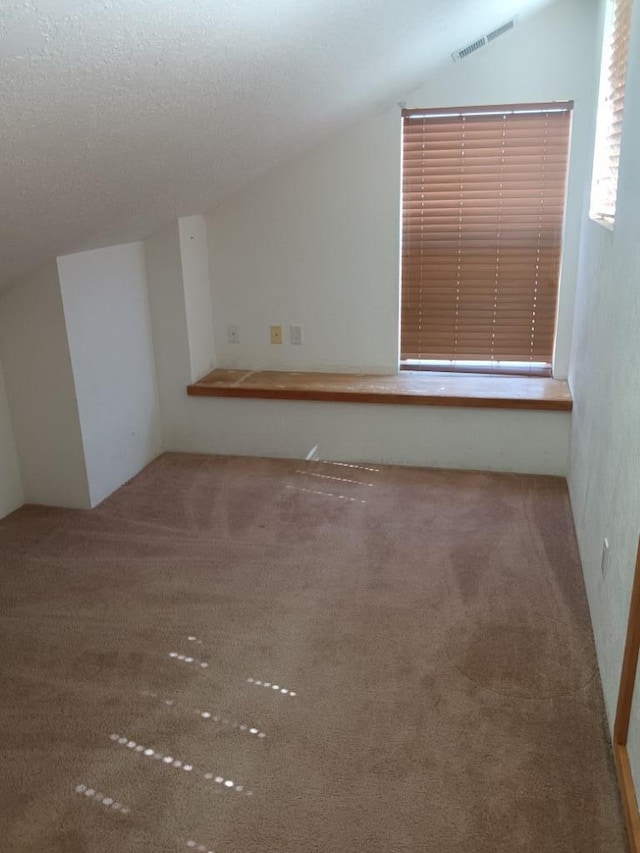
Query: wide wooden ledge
x,y
407,388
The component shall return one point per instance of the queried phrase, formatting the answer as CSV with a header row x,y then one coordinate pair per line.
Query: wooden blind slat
x,y
483,207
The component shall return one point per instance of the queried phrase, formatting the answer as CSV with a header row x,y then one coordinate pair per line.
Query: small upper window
x,y
604,185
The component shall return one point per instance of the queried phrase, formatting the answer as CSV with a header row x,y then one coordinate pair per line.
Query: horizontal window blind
x,y
482,215
610,112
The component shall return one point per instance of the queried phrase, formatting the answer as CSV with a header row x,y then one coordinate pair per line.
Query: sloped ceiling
x,y
117,116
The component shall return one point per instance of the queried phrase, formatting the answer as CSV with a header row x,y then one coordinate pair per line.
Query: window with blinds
x,y
483,193
604,186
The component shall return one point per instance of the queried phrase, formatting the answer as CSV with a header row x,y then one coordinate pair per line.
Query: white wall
x,y
605,381
316,241
170,333
535,442
106,308
194,257
37,367
11,492
482,439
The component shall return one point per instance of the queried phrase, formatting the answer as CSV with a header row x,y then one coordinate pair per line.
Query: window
x,y
604,185
483,210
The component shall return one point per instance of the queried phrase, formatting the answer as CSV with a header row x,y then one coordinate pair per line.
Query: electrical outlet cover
x,y
276,334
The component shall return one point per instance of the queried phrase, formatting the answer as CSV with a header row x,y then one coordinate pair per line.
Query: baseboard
x,y
628,795
623,715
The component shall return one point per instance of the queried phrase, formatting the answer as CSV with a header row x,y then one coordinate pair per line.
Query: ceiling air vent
x,y
483,40
470,48
494,34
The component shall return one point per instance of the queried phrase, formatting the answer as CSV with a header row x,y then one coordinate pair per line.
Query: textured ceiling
x,y
118,116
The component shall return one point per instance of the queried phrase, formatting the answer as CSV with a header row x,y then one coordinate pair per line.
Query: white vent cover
x,y
484,40
500,31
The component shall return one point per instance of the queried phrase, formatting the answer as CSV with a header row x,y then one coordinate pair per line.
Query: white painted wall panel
x,y
107,314
170,330
314,243
484,439
196,280
605,381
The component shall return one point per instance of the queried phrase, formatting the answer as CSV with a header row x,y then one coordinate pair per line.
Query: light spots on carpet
x,y
195,640
326,494
276,688
245,728
201,848
170,761
347,465
188,659
216,717
330,477
97,797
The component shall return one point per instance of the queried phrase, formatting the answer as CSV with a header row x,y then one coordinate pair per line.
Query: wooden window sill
x,y
408,388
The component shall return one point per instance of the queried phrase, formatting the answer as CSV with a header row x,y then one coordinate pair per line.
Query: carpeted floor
x,y
242,655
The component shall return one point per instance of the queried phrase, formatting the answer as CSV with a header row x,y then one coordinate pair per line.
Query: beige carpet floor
x,y
241,655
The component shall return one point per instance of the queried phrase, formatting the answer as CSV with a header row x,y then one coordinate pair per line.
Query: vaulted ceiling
x,y
117,116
